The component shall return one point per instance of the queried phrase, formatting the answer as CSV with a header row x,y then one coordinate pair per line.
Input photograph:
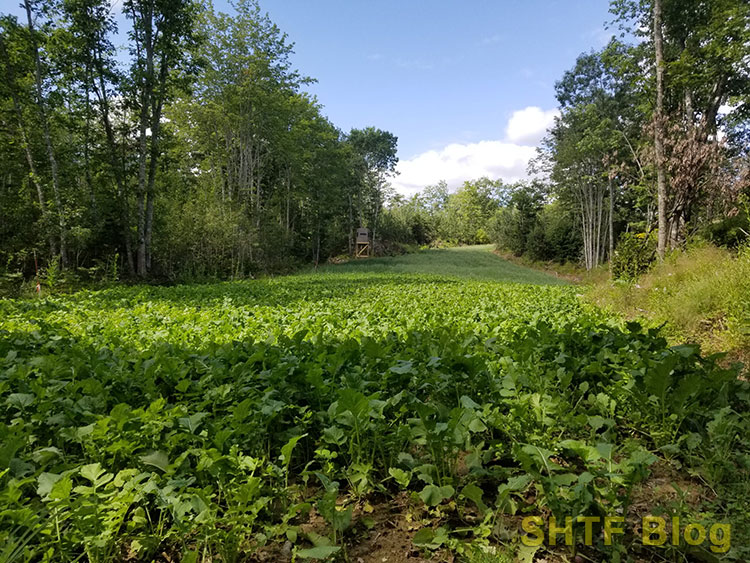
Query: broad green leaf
x,y
45,482
430,539
400,476
402,368
318,552
432,495
241,410
474,494
518,482
286,449
423,537
334,435
193,422
588,453
20,400
92,472
156,459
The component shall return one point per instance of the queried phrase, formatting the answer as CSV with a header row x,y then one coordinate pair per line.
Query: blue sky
x,y
446,77
468,87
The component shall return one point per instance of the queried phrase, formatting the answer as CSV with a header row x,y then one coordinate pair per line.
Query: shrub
x,y
634,255
549,234
507,231
555,236
727,231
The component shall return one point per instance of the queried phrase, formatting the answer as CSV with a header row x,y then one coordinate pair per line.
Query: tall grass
x,y
701,295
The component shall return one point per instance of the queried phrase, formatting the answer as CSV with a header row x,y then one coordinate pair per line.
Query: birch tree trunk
x,y
118,168
146,84
661,177
610,221
47,137
156,109
591,202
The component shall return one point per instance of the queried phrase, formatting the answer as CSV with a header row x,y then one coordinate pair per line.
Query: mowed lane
x,y
472,262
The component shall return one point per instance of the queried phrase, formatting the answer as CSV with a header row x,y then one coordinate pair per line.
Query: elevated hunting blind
x,y
363,243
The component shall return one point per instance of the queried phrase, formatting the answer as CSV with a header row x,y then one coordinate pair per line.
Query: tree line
x,y
518,217
652,145
184,145
187,146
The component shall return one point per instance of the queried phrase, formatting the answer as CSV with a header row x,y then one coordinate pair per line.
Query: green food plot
x,y
212,422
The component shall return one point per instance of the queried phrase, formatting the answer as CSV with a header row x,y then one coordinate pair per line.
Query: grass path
x,y
473,262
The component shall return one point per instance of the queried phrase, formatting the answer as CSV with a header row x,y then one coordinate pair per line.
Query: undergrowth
x,y
215,422
701,295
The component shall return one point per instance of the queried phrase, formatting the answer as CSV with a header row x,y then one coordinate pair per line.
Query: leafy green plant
x,y
633,256
200,420
51,275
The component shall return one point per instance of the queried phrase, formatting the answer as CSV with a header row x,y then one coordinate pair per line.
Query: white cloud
x,y
528,126
457,163
497,159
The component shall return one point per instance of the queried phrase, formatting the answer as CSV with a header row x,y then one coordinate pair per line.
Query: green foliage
x,y
435,214
529,227
51,276
700,295
731,232
634,254
211,419
468,210
409,222
555,236
244,174
506,231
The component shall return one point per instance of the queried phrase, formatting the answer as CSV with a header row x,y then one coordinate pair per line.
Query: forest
x,y
200,154
195,367
649,152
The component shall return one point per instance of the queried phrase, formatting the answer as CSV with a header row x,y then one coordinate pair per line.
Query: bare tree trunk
x,y
86,143
34,176
591,202
581,195
661,176
316,244
351,226
610,222
146,93
375,221
141,232
156,108
688,109
141,203
599,221
288,200
47,138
